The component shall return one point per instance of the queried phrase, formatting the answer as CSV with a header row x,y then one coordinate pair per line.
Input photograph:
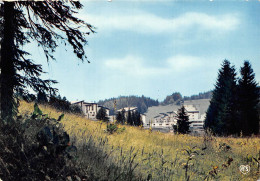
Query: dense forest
x,y
142,103
203,95
176,97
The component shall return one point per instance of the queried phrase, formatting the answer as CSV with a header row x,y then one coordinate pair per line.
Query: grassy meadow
x,y
138,154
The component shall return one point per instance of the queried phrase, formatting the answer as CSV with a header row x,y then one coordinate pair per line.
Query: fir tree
x,y
123,116
42,98
183,124
221,114
119,117
248,95
102,115
130,118
44,22
137,118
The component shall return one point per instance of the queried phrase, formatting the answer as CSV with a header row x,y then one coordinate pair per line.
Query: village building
x,y
196,119
164,121
90,110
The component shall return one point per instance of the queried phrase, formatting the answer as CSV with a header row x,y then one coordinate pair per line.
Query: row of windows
x,y
159,124
168,121
195,125
197,121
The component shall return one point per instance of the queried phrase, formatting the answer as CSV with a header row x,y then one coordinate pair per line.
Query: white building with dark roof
x,y
164,117
90,110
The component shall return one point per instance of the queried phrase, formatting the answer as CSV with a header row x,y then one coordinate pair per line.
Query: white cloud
x,y
183,63
136,66
149,23
133,66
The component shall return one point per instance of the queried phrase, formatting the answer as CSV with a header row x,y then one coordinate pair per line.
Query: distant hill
x,y
142,103
204,95
176,98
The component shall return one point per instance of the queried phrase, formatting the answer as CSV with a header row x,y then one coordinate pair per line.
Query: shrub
x,y
35,147
112,128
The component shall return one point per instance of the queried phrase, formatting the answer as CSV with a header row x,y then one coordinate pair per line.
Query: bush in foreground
x,y
36,147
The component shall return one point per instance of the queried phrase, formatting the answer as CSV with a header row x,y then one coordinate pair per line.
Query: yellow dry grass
x,y
153,148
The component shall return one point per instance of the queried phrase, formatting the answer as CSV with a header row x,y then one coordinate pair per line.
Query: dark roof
x,y
89,103
170,112
77,102
193,111
104,107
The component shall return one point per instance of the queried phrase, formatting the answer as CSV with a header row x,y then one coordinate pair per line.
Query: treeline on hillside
x,y
142,103
203,95
176,98
234,105
55,101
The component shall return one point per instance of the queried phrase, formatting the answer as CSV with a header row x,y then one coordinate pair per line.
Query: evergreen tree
x,y
44,22
221,114
42,98
102,115
119,117
248,95
137,118
123,116
130,118
183,124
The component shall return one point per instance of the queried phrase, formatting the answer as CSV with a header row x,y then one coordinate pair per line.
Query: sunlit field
x,y
138,154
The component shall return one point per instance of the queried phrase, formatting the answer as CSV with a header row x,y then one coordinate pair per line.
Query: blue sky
x,y
155,48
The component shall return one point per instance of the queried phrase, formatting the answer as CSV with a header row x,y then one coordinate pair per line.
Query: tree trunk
x,y
7,76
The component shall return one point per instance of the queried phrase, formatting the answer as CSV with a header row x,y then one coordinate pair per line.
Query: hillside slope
x,y
137,154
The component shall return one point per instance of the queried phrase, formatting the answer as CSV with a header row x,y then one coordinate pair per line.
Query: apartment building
x,y
90,110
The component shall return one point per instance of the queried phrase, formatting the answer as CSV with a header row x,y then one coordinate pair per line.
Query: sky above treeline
x,y
155,48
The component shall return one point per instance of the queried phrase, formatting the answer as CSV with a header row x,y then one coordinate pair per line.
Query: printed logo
x,y
244,169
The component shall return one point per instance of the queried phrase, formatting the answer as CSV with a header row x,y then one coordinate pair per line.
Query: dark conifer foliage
x,y
137,118
201,95
102,115
248,99
142,103
130,118
183,124
119,117
175,98
44,22
42,98
222,112
123,113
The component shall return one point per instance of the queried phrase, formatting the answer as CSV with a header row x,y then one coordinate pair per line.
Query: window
x,y
167,124
197,121
196,125
160,124
148,124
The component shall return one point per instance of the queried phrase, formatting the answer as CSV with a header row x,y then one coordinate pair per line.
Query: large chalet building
x,y
90,110
165,121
